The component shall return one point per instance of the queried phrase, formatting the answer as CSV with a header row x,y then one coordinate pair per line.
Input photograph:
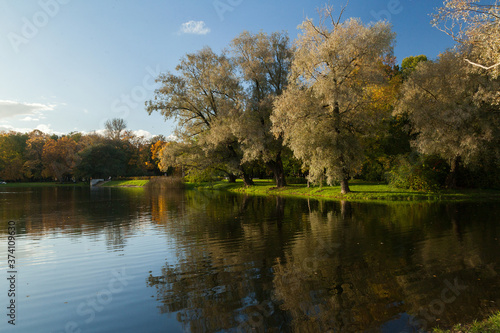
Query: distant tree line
x,y
37,156
334,105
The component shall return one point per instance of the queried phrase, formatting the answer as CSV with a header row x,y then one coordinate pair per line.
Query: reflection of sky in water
x,y
67,253
59,273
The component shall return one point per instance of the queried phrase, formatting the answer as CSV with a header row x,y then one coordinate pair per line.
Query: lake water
x,y
138,260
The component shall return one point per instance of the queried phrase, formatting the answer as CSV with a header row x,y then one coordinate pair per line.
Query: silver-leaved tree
x,y
336,69
453,112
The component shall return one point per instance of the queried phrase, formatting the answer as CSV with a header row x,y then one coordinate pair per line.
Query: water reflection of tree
x,y
319,287
347,273
318,266
223,278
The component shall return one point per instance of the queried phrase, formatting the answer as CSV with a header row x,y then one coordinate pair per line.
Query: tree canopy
x,y
264,61
335,71
450,109
335,102
475,25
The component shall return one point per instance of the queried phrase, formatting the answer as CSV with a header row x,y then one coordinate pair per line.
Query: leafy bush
x,y
169,182
427,173
201,176
296,180
372,171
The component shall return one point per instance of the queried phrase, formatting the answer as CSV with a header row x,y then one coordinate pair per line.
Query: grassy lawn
x,y
44,184
361,191
126,183
490,325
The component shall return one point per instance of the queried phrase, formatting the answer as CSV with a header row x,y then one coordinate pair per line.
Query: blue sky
x,y
69,65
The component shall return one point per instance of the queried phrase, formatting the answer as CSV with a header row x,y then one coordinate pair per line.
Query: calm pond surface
x,y
138,260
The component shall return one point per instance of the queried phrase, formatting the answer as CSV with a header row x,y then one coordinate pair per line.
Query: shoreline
x,y
361,191
490,324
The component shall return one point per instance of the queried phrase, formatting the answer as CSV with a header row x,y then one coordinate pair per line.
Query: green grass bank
x,y
126,183
361,191
489,325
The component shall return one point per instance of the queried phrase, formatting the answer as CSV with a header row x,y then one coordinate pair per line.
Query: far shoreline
x,y
362,191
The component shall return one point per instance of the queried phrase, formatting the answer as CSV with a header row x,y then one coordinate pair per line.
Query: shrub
x,y
296,180
162,182
372,171
201,176
426,173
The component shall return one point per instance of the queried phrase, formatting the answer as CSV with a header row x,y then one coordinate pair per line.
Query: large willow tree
x,y
454,112
336,69
203,96
264,61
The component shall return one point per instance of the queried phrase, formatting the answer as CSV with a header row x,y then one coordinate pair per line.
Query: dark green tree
x,y
102,160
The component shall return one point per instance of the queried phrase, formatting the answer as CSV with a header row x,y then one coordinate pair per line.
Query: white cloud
x,y
145,134
172,137
101,132
48,130
28,118
10,109
195,27
42,127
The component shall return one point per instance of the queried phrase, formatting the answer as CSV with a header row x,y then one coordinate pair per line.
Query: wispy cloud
x,y
28,118
42,127
194,27
145,134
10,109
139,133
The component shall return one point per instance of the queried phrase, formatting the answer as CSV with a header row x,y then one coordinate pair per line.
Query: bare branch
x,y
342,12
481,66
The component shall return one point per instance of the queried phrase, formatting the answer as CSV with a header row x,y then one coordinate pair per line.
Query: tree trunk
x,y
231,178
278,171
345,209
247,179
280,211
451,179
344,186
